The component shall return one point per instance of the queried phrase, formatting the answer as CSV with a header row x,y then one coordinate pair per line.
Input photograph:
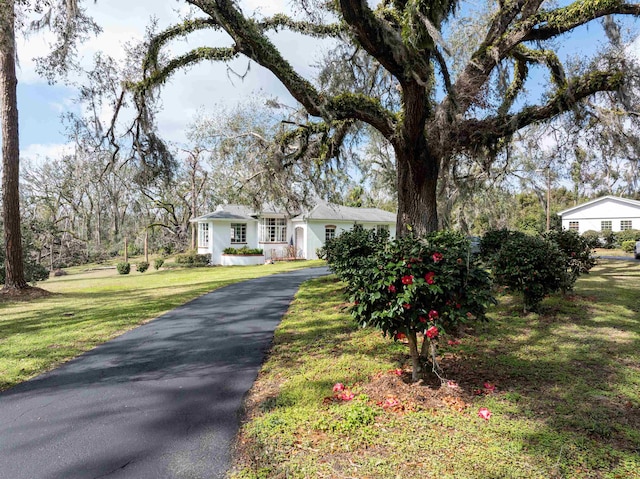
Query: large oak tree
x,y
441,113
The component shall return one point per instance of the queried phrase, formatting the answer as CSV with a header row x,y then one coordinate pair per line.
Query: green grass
x,y
90,307
567,403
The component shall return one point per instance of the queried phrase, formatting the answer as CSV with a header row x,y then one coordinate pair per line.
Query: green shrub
x,y
123,268
243,250
157,264
576,249
351,251
533,267
412,287
592,238
492,241
191,258
609,238
628,246
142,266
627,235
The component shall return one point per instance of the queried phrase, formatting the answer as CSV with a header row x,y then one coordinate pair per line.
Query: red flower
x,y
430,277
433,315
484,413
422,319
398,372
408,279
390,402
392,288
406,306
337,387
453,342
432,332
489,387
437,257
346,396
400,336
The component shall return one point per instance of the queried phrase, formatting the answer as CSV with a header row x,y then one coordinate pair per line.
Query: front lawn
x,y
88,308
562,386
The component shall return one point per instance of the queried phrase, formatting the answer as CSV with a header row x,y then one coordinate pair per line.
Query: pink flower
x,y
484,413
437,257
390,402
433,315
489,387
453,342
453,384
337,387
406,306
432,332
408,279
422,319
392,288
430,277
346,396
398,372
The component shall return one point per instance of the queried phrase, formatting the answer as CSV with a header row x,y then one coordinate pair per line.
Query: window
x,y
203,235
626,225
574,226
381,228
605,226
329,232
273,230
238,232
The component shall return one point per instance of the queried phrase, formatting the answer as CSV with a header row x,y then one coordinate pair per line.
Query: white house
x,y
280,235
609,213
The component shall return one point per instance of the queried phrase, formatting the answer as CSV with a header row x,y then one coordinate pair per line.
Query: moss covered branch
x,y
282,21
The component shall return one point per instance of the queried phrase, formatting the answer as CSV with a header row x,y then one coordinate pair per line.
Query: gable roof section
x,y
229,212
331,212
626,201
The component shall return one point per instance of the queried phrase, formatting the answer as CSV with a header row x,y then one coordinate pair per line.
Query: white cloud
x,y
40,152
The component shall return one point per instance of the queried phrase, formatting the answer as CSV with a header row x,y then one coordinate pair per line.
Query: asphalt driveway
x,y
158,402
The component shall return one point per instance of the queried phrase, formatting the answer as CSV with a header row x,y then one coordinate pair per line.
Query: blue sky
x,y
205,86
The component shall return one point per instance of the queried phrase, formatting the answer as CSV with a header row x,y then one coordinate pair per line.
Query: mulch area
x,y
22,294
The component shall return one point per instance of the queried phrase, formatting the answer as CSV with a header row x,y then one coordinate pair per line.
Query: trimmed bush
x,y
157,264
533,267
191,258
628,246
244,250
123,268
142,266
493,240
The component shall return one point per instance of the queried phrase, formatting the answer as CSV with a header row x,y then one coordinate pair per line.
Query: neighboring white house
x,y
279,235
609,213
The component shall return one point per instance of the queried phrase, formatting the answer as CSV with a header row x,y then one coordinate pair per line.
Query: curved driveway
x,y
159,402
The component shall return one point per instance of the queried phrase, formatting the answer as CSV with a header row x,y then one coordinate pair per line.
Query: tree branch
x,y
306,28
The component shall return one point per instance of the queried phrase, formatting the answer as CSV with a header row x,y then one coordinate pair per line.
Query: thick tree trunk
x,y
417,187
10,149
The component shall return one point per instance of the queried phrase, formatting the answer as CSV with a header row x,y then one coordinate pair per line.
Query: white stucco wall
x,y
220,238
589,217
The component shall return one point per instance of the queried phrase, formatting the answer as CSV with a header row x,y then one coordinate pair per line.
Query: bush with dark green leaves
x,y
142,266
123,268
492,241
412,287
592,238
244,250
191,258
157,264
609,239
533,267
351,251
577,249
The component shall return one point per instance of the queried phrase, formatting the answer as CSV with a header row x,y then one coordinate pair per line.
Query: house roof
x,y
626,201
229,212
332,212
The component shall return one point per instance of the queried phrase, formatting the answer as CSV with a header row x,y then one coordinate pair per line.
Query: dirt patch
x,y
22,294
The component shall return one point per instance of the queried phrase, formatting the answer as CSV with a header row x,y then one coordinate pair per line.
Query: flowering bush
x,y
417,288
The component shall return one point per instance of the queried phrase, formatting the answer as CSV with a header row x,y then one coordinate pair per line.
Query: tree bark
x,y
417,189
10,149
